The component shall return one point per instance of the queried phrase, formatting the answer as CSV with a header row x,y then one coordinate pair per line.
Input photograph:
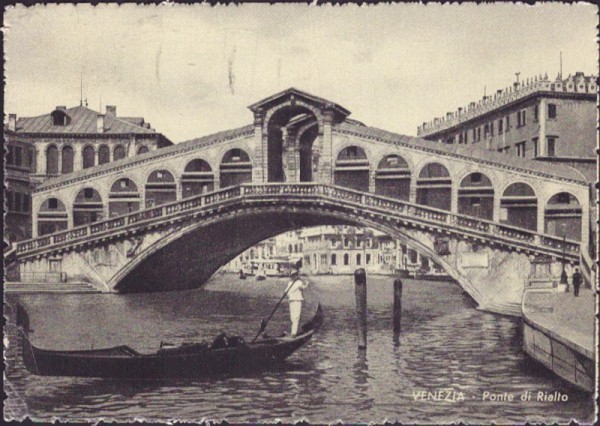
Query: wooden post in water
x,y
360,292
397,314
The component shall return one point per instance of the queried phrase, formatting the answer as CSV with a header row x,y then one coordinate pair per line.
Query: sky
x,y
192,70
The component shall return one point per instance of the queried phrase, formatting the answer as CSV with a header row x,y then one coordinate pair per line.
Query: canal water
x,y
449,355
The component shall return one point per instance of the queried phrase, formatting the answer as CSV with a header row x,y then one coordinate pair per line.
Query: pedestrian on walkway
x,y
577,280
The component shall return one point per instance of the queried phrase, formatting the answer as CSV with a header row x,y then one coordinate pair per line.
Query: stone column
x,y
540,213
326,154
41,159
96,155
454,198
77,157
496,210
259,164
542,134
59,148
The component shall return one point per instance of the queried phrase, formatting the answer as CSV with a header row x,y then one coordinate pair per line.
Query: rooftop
x,y
579,84
83,120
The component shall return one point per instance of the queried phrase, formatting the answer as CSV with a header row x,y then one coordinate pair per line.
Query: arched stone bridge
x,y
187,209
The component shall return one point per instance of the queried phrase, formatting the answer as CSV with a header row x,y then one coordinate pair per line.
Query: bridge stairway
x,y
75,287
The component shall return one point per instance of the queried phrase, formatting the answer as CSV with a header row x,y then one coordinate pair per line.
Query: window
x,y
520,149
346,242
475,177
53,203
9,155
358,258
500,126
486,131
474,135
507,123
368,258
124,183
460,138
18,156
88,193
9,200
334,259
450,140
352,151
119,152
346,259
492,128
563,198
536,113
550,146
17,201
551,111
523,117
478,134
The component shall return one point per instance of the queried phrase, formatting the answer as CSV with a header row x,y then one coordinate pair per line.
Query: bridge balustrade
x,y
331,192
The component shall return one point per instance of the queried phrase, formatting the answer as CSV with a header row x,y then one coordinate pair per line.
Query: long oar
x,y
264,323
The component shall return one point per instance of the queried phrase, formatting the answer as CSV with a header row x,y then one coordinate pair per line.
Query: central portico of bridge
x,y
490,219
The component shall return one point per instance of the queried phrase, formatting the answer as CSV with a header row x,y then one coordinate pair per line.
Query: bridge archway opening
x,y
89,157
562,216
52,217
119,152
198,178
52,160
307,159
87,207
352,169
434,187
123,198
392,178
518,206
476,196
161,188
67,159
282,130
103,154
235,169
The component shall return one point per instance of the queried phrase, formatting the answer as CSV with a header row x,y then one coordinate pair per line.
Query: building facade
x,y
67,140
550,121
18,167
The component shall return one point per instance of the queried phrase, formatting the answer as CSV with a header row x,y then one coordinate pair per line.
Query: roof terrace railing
x,y
308,193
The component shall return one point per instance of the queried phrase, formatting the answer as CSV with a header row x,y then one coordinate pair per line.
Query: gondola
x,y
226,356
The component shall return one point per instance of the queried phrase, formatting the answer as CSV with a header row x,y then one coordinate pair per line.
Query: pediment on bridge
x,y
291,95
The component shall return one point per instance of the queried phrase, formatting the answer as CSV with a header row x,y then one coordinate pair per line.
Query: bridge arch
x,y
87,207
519,206
161,187
563,216
235,168
197,178
352,168
67,159
434,186
250,226
51,160
52,216
476,196
124,197
393,177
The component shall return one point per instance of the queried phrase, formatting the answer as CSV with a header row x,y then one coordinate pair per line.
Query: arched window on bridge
x,y
52,160
197,178
119,152
67,159
123,198
142,149
160,188
89,155
352,169
434,187
236,168
87,207
346,258
103,154
518,206
476,196
392,178
562,216
52,217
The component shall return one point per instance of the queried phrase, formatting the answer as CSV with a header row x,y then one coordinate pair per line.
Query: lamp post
x,y
563,275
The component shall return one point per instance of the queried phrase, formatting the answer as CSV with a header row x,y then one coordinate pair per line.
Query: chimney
x,y
460,110
516,85
12,122
448,115
111,110
100,123
472,105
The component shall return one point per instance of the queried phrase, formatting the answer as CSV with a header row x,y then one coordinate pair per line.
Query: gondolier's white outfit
x,y
295,297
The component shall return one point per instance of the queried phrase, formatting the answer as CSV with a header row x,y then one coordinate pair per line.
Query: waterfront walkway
x,y
568,319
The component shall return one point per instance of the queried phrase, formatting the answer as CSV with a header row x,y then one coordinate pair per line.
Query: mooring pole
x,y
360,292
397,314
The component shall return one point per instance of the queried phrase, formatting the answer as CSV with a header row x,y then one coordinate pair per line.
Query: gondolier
x,y
294,291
